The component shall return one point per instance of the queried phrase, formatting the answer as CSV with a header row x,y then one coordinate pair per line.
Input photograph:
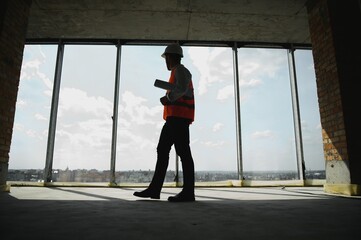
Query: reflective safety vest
x,y
183,107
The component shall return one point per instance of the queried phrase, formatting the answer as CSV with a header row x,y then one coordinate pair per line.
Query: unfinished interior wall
x,y
334,27
336,52
13,24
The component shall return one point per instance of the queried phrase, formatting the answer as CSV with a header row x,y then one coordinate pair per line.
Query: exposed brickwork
x,y
12,39
337,53
328,87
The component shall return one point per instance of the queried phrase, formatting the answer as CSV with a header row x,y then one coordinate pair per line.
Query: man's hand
x,y
164,100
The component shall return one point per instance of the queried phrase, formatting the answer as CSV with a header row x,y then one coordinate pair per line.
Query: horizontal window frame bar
x,y
185,43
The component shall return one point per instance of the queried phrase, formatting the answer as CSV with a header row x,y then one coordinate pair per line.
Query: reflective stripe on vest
x,y
183,107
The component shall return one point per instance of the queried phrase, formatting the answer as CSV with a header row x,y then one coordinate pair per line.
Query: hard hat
x,y
173,48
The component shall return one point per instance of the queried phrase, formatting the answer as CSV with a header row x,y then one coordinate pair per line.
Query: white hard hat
x,y
174,48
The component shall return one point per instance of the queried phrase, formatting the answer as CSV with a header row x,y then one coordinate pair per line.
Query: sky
x,y
84,122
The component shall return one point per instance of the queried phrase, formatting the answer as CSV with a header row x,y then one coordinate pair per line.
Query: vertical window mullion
x,y
53,113
115,114
238,112
296,115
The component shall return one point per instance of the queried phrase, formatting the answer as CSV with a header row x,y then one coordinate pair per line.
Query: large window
x,y
310,115
212,133
30,132
268,140
214,129
140,112
83,139
84,124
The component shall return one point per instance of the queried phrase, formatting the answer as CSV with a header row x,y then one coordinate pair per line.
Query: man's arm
x,y
182,80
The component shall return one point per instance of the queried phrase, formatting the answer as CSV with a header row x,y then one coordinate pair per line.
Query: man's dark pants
x,y
175,131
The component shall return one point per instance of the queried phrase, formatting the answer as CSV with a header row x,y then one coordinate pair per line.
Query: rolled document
x,y
163,84
169,86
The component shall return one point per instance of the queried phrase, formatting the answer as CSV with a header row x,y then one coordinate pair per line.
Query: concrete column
x,y
334,27
13,24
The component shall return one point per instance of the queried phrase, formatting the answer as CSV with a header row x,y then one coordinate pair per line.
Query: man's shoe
x,y
147,194
181,197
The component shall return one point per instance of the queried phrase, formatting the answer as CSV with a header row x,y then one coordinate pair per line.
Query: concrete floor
x,y
218,213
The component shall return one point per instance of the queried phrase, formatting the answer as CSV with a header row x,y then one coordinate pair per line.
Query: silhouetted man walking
x,y
178,115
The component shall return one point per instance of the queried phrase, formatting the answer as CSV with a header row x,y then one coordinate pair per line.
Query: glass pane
x,y
268,141
140,113
84,125
30,132
213,132
83,135
310,115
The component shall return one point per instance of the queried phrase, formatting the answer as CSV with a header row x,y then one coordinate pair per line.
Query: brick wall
x,y
14,17
336,53
328,88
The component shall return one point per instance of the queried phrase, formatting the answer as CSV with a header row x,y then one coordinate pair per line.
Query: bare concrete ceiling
x,y
262,21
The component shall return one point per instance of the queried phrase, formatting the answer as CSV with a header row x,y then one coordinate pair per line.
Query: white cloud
x,y
139,122
83,135
212,144
247,67
135,141
214,66
85,128
255,63
198,56
78,102
31,133
135,109
21,103
34,134
48,93
225,93
311,67
31,70
91,133
18,127
263,134
38,116
250,83
217,127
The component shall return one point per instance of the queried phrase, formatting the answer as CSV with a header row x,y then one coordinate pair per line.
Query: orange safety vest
x,y
183,107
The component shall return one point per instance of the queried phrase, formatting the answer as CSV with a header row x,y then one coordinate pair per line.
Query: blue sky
x,y
84,123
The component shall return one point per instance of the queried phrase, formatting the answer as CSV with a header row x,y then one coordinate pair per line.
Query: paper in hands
x,y
164,85
169,86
